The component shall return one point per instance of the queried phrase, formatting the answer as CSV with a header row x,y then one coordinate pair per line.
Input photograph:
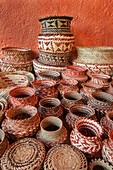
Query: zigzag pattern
x,y
55,46
83,144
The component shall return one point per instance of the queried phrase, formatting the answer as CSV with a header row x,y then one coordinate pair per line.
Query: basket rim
x,y
55,17
15,49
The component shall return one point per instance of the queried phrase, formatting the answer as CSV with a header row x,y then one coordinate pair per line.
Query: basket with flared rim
x,y
22,116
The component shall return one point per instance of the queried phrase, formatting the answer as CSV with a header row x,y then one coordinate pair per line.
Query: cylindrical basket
x,y
86,135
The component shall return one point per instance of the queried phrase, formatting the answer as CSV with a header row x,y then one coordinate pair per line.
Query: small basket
x,y
49,74
20,117
50,107
23,96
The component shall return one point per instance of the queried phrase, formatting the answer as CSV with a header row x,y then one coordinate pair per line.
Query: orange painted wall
x,y
92,23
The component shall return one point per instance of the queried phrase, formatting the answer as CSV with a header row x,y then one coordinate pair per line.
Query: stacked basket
x,y
55,43
15,59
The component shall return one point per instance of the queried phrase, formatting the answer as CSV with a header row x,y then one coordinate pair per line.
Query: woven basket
x,y
86,135
101,79
20,117
49,74
42,67
28,66
107,150
99,163
15,134
3,142
56,24
52,132
10,81
70,98
50,107
29,75
27,153
45,88
96,68
56,43
67,85
79,111
16,55
23,96
65,157
94,55
81,79
102,102
54,59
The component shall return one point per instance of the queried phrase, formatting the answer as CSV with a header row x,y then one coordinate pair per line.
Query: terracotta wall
x,y
92,23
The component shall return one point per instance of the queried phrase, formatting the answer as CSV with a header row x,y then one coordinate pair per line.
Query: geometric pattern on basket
x,y
97,68
78,78
10,80
106,125
107,153
51,143
29,75
49,74
56,24
84,143
23,95
16,67
16,117
43,113
73,115
65,156
16,55
41,67
67,85
55,46
99,163
100,106
54,59
19,133
95,55
27,153
17,58
45,88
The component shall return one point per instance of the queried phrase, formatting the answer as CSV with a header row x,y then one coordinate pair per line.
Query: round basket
x,y
27,153
99,163
86,135
50,107
55,43
16,55
52,132
49,74
20,117
28,66
79,111
41,67
54,59
23,96
94,55
65,156
97,68
56,24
